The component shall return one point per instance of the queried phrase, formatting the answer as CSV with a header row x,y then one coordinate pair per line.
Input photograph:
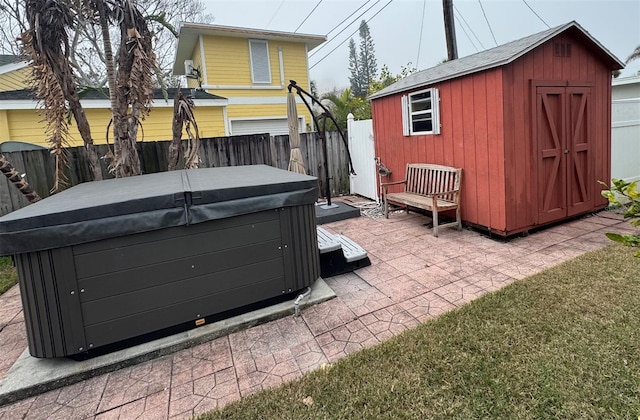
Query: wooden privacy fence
x,y
38,165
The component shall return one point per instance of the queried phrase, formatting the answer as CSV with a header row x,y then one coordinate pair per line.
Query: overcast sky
x,y
397,26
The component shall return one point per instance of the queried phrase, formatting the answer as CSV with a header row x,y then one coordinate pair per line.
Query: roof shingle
x,y
484,60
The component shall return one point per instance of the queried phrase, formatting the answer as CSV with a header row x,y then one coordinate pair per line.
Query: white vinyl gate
x,y
362,152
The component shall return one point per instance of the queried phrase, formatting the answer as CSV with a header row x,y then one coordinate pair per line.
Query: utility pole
x,y
450,30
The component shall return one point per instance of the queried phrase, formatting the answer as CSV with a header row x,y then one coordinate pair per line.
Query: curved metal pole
x,y
300,91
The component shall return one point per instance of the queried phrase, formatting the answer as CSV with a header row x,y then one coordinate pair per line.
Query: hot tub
x,y
106,261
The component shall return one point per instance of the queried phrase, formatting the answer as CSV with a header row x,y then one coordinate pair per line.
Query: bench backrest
x,y
426,179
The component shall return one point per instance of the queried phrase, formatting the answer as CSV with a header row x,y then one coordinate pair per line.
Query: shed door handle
x,y
566,151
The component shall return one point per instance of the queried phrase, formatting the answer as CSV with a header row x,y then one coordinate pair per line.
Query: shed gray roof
x,y
484,60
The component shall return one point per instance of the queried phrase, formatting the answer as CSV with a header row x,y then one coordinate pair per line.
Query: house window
x,y
259,56
420,113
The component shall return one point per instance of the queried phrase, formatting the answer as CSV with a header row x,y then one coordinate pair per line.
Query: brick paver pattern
x,y
413,277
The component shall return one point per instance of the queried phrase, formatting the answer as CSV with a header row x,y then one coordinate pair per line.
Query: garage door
x,y
273,126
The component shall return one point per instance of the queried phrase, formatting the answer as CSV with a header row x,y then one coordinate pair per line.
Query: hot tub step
x,y
339,254
327,242
351,250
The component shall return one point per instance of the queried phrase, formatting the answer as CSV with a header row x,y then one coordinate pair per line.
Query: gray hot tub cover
x,y
106,209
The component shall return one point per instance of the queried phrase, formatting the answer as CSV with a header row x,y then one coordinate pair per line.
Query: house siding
x,y
26,125
14,80
227,63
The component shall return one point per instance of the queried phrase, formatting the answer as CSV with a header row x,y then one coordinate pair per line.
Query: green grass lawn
x,y
8,275
561,344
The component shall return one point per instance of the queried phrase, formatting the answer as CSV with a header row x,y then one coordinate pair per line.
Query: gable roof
x,y
190,32
100,98
491,58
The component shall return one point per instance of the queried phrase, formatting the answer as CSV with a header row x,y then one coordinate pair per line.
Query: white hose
x,y
296,303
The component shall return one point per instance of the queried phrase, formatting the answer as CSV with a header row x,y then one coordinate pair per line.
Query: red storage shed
x,y
528,121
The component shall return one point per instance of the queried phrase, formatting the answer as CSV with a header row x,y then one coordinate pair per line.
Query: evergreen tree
x,y
368,67
354,69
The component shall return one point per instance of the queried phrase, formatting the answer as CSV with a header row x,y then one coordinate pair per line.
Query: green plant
x,y
631,202
8,274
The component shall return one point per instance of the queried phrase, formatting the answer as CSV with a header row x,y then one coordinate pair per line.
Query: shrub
x,y
625,194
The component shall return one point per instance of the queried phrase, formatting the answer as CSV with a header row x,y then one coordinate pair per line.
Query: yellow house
x,y
13,73
21,121
249,67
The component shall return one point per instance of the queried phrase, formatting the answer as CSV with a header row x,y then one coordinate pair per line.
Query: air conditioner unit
x,y
188,67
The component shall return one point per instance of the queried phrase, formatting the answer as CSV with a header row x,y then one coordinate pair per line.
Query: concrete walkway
x,y
413,278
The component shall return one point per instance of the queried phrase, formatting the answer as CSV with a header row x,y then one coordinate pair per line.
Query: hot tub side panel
x,y
301,255
51,303
90,295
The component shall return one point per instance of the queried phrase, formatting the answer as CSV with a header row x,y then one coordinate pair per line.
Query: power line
x,y
274,15
343,29
345,19
534,12
465,32
371,18
485,18
305,19
469,26
424,6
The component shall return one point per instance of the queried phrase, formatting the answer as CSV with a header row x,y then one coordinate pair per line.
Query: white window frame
x,y
251,60
408,114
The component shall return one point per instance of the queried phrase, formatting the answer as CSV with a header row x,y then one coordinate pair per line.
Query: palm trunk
x,y
85,133
111,81
176,128
10,172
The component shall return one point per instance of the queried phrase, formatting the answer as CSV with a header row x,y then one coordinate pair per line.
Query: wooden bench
x,y
429,187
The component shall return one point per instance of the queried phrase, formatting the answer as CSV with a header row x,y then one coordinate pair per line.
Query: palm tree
x,y
130,82
634,55
134,85
342,104
47,45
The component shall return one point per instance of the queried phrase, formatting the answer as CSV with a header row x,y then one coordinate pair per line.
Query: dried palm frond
x,y
136,67
10,172
46,44
183,116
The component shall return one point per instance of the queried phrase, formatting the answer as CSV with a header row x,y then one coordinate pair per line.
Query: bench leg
x,y
434,212
386,206
458,219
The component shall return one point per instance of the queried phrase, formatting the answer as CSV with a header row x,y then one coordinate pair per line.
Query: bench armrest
x,y
386,185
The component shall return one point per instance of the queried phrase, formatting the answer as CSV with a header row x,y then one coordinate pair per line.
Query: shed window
x,y
259,56
420,112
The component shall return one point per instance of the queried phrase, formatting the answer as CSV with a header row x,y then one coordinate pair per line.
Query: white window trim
x,y
407,115
266,43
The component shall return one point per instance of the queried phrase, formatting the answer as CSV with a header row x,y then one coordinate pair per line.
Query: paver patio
x,y
413,278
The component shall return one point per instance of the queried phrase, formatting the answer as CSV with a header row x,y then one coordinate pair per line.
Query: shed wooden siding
x,y
541,65
471,137
487,129
27,125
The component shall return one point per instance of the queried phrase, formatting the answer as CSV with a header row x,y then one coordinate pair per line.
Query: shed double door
x,y
564,157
